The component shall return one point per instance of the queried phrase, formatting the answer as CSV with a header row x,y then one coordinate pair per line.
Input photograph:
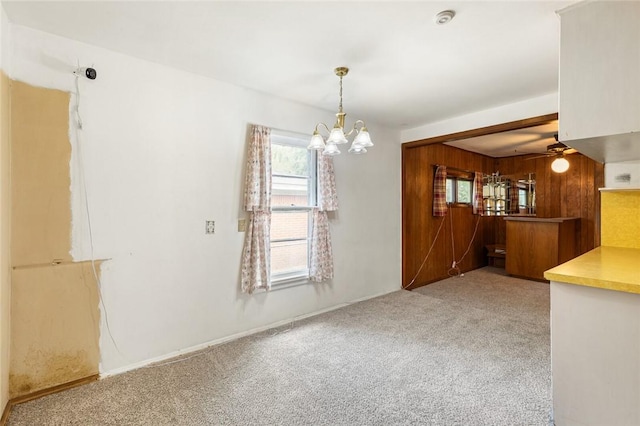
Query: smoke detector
x,y
444,17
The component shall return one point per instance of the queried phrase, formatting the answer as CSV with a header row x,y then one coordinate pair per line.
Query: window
x,y
522,198
293,195
459,190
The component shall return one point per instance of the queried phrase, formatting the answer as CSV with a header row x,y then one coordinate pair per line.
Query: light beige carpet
x,y
465,351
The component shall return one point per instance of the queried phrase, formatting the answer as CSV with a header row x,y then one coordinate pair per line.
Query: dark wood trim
x,y
482,131
44,392
404,218
54,389
5,414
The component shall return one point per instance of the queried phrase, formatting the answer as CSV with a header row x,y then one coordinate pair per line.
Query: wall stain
x,y
55,316
50,369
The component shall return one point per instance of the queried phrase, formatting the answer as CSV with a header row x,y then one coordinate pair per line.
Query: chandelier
x,y
337,136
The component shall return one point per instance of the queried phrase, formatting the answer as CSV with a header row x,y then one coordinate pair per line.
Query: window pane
x,y
289,160
289,191
522,198
287,225
464,191
288,257
450,194
293,185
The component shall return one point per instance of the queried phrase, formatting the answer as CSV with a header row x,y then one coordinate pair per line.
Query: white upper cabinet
x,y
599,88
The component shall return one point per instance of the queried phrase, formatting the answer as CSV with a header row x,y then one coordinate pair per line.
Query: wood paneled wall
x,y
572,194
420,227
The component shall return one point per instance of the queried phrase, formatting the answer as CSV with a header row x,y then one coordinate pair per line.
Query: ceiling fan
x,y
558,150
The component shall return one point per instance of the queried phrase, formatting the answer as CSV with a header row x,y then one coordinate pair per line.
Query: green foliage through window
x,y
459,191
289,160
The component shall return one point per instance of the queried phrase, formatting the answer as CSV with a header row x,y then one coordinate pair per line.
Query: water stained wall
x,y
54,301
5,241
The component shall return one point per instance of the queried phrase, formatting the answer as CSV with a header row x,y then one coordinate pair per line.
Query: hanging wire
x,y
86,206
454,271
427,256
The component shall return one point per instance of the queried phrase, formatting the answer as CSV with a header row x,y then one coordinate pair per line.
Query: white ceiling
x,y
406,71
530,140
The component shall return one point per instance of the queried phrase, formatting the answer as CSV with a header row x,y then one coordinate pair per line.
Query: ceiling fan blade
x,y
541,156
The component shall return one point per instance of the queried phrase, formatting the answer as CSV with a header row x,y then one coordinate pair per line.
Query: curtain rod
x,y
454,168
283,132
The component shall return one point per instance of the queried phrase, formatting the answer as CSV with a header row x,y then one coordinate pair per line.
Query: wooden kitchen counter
x,y
536,244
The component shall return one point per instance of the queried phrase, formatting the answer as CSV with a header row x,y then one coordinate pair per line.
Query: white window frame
x,y
294,278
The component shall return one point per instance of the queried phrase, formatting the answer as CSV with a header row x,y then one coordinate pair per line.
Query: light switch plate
x,y
210,227
242,225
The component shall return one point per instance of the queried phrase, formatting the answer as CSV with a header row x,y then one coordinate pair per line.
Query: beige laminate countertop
x,y
611,268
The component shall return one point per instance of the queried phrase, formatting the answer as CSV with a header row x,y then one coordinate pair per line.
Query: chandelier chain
x,y
340,106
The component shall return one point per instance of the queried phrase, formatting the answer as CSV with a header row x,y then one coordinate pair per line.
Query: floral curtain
x,y
440,192
321,265
321,262
477,193
257,201
327,194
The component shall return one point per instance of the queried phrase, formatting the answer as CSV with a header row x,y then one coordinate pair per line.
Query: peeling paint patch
x,y
55,316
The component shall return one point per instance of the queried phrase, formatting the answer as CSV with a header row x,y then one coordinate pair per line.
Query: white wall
x,y
5,38
614,174
534,107
163,150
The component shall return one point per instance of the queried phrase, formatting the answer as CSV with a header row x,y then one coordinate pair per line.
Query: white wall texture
x,y
162,151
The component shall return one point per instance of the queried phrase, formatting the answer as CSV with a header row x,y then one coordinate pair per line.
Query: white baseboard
x,y
229,338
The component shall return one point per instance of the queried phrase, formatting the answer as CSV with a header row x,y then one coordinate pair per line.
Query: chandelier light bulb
x,y
317,142
356,148
363,138
337,136
331,149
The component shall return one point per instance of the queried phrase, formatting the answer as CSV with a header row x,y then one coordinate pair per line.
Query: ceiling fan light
x,y
363,138
317,142
331,149
337,136
560,165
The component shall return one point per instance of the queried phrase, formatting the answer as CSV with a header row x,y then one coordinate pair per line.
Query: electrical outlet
x,y
210,227
242,225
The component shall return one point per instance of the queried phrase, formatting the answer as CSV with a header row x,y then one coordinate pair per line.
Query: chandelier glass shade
x,y
337,136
